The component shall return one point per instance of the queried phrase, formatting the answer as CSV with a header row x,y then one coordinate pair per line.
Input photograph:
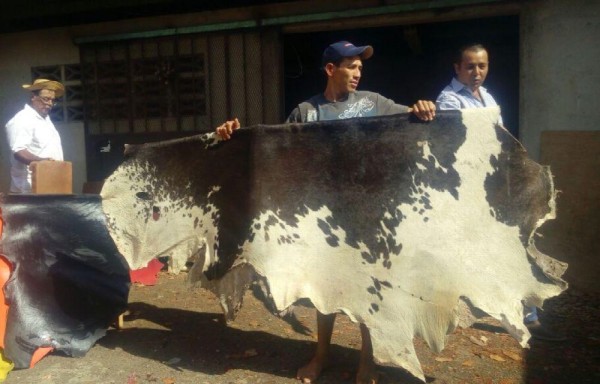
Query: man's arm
x,y
26,157
226,129
423,109
19,135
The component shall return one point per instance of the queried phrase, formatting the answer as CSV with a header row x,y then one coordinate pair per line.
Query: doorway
x,y
412,62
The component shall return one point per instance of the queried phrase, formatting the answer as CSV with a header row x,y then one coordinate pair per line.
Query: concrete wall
x,y
19,53
560,125
572,237
560,74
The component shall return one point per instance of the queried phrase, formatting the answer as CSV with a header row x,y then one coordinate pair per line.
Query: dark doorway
x,y
412,62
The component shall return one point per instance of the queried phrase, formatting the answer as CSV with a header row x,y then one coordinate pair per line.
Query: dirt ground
x,y
174,334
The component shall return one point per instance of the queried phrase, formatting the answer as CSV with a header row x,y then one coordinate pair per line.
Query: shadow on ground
x,y
575,360
174,334
202,342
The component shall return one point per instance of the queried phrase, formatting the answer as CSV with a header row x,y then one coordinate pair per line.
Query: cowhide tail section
x,y
68,282
229,289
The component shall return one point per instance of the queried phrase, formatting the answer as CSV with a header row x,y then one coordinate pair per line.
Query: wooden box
x,y
51,177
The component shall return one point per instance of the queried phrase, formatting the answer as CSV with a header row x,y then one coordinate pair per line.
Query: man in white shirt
x,y
31,135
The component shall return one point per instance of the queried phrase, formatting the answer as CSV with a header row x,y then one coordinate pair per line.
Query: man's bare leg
x,y
367,373
312,370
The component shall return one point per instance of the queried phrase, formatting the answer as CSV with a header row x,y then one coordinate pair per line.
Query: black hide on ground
x,y
68,282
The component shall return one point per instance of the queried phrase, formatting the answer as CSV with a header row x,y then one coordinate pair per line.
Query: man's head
x,y
336,52
44,94
471,65
342,63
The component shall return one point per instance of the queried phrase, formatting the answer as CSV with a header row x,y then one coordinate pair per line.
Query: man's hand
x,y
424,110
226,129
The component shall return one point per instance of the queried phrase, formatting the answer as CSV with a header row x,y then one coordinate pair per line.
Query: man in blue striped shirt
x,y
466,90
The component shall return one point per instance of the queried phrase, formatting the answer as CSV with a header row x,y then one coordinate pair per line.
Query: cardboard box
x,y
51,177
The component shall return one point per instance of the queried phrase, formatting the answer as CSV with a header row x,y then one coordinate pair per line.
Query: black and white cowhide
x,y
390,221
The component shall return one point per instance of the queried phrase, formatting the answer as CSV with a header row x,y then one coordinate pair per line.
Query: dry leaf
x,y
443,359
512,355
475,340
496,357
168,380
468,363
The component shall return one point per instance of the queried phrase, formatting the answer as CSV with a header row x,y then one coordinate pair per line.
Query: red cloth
x,y
147,275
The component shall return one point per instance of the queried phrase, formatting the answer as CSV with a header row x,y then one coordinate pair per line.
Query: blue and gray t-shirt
x,y
358,104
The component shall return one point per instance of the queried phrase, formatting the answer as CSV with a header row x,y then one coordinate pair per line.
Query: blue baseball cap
x,y
337,51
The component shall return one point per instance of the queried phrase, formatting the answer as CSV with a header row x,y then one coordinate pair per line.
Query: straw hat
x,y
51,85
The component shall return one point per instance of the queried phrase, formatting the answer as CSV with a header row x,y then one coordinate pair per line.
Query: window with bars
x,y
144,86
69,107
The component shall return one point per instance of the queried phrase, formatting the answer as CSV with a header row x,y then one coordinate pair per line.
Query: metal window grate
x,y
181,83
143,86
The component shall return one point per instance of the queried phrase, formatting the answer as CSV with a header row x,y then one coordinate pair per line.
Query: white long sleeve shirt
x,y
28,130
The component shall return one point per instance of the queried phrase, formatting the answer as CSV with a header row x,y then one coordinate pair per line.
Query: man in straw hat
x,y
31,134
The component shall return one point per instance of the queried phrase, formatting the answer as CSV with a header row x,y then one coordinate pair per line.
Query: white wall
x,y
560,69
20,52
